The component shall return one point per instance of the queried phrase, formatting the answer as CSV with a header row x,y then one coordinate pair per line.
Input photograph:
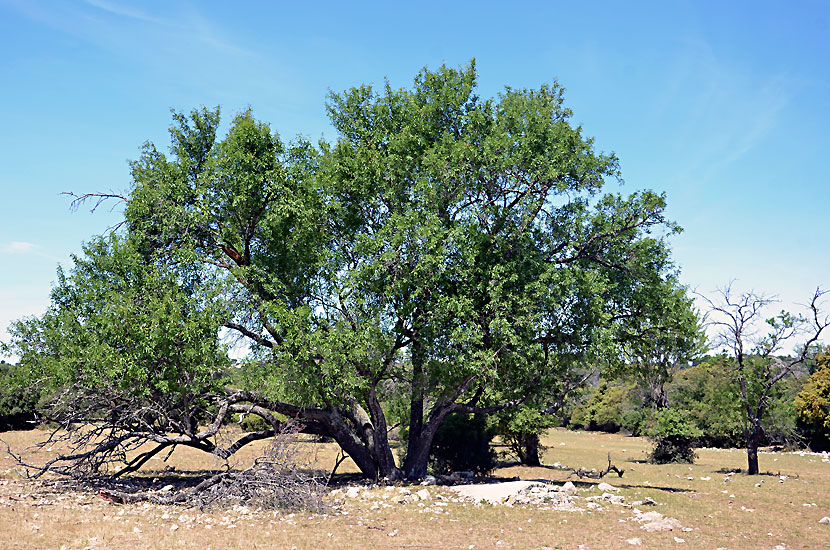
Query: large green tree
x,y
453,248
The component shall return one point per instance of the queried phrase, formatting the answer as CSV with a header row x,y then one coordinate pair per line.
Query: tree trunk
x,y
417,458
417,455
352,445
752,444
383,452
752,458
658,396
529,449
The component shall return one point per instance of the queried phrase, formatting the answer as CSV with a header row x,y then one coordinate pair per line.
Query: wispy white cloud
x,y
753,122
20,247
718,111
128,30
24,248
205,31
128,11
190,24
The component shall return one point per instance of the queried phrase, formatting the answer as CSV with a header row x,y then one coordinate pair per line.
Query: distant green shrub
x,y
674,437
250,422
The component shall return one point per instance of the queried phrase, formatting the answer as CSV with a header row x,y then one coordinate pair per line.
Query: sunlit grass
x,y
734,514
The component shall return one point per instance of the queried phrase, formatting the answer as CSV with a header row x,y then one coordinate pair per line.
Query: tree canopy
x,y
452,252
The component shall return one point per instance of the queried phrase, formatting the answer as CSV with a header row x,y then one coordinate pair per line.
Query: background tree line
x,y
707,396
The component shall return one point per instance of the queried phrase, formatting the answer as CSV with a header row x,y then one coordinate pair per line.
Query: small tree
x,y
757,367
662,340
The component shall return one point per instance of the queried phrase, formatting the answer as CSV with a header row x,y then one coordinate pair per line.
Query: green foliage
x,y
610,408
708,396
812,405
520,429
19,398
250,422
673,423
454,248
462,443
674,437
125,334
781,422
396,409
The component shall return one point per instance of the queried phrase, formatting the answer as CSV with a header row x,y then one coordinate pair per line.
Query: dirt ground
x,y
714,508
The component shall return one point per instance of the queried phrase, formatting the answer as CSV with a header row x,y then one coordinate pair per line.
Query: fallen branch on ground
x,y
279,478
583,473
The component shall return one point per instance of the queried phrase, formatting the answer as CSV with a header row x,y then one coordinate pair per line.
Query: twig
x,y
97,198
341,456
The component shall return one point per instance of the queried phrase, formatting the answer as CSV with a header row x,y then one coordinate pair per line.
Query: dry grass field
x,y
734,514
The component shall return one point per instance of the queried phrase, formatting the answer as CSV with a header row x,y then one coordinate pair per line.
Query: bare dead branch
x,y
611,468
97,199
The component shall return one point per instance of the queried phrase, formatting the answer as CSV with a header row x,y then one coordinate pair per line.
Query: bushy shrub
x,y
250,422
462,443
674,437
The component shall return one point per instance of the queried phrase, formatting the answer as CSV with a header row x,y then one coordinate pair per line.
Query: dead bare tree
x,y
757,365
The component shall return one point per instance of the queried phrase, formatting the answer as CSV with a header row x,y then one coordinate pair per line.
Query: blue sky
x,y
725,106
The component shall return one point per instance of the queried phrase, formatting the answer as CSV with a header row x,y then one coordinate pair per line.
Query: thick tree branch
x,y
259,339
